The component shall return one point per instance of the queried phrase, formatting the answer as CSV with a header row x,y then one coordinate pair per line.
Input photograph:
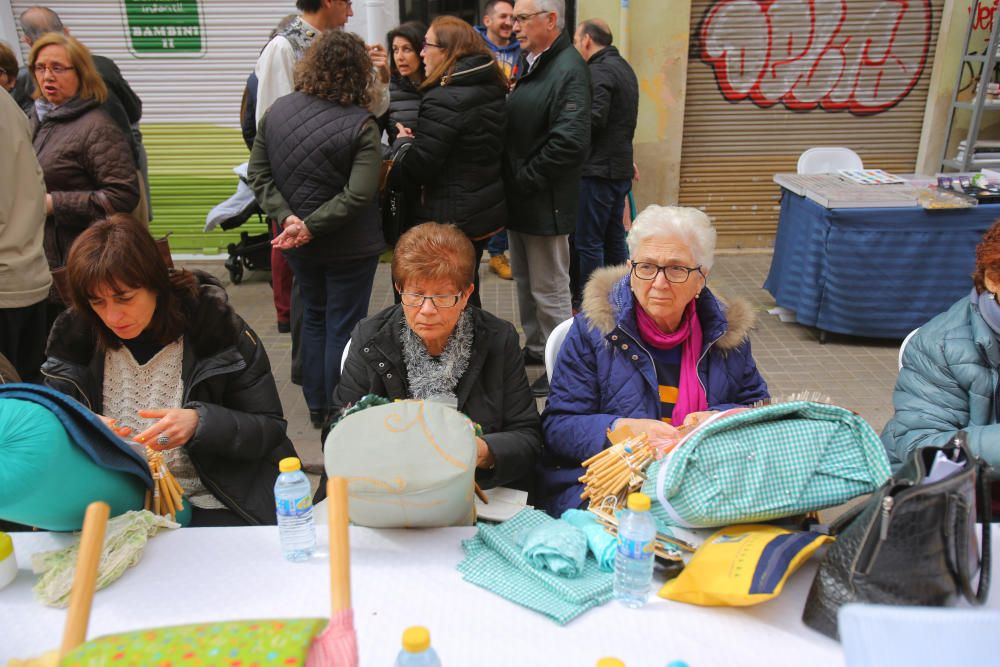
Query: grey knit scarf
x,y
437,377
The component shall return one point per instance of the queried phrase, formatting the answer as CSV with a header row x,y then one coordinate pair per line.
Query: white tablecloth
x,y
402,578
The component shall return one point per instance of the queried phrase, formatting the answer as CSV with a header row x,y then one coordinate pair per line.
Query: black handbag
x,y
911,543
394,200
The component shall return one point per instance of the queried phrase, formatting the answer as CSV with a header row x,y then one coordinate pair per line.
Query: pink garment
x,y
690,395
337,645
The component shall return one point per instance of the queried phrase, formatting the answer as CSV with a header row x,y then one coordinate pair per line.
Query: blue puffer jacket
x,y
604,372
948,382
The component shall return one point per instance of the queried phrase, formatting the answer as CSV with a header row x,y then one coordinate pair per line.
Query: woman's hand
x,y
49,209
380,61
661,435
694,419
120,431
294,234
484,457
403,132
178,424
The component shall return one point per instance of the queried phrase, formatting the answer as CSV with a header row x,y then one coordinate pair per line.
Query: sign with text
x,y
164,28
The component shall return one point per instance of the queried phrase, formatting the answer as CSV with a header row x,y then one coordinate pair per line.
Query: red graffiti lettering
x,y
809,54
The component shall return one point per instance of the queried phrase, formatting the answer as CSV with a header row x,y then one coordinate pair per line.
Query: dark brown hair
x,y
458,39
987,257
336,68
433,251
91,84
118,252
8,62
413,32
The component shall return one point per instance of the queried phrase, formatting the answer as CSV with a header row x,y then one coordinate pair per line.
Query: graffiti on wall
x,y
982,26
817,54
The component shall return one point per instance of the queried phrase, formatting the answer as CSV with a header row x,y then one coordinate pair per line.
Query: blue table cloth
x,y
877,272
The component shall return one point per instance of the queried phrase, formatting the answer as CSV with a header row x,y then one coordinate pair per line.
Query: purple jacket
x,y
604,372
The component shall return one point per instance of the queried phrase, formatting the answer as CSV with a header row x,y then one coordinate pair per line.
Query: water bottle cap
x,y
610,662
416,639
290,464
638,502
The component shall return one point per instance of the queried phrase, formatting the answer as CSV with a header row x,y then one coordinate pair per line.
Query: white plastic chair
x,y
903,346
553,344
343,357
828,159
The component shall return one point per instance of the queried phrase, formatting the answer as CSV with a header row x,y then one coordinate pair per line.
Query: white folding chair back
x,y
343,357
903,346
553,344
828,159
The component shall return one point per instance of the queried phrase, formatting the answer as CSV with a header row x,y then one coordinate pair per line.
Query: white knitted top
x,y
130,386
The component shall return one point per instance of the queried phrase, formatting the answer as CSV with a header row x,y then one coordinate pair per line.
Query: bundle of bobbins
x,y
165,498
616,471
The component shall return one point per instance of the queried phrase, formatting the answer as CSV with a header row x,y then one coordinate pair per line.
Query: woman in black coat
x,y
457,148
406,70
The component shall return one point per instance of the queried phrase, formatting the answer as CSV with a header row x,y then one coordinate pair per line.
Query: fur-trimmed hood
x,y
213,326
608,300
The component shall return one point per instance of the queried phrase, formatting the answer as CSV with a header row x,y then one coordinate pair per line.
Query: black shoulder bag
x,y
911,543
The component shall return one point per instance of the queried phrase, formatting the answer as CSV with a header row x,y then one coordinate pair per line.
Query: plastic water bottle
x,y
610,662
293,498
417,650
634,559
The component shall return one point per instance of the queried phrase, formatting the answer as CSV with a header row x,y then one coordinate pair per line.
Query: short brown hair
x,y
118,252
987,257
336,68
433,251
91,84
8,61
458,39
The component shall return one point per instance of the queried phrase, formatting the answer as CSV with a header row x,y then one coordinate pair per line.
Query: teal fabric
x,y
767,463
602,544
947,384
493,561
556,546
46,480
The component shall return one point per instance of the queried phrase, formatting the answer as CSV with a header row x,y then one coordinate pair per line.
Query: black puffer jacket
x,y
227,378
404,107
457,152
493,392
613,113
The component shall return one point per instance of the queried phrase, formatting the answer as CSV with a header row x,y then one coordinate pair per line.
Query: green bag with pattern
x,y
760,464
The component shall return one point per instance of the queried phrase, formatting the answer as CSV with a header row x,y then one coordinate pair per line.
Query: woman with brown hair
x,y
314,168
85,157
949,375
456,152
165,360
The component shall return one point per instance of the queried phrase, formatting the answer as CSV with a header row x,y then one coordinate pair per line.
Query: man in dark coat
x,y
607,174
547,141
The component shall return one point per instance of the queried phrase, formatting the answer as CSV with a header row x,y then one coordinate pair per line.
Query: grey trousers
x,y
540,265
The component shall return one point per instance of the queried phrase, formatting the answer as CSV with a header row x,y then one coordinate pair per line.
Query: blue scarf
x,y
42,108
988,308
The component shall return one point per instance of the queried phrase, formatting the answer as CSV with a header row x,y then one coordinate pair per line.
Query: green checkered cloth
x,y
767,463
493,561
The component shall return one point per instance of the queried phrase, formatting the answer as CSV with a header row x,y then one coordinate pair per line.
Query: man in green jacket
x,y
548,137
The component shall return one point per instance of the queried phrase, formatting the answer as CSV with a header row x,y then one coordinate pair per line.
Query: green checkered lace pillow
x,y
767,463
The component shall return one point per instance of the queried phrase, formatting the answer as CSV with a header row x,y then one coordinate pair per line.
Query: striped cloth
x,y
493,561
337,645
767,463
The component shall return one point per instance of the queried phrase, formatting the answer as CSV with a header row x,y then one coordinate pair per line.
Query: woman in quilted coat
x,y
652,349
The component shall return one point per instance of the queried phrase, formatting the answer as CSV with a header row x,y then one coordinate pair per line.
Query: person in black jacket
x,y
406,73
457,150
607,174
163,359
436,345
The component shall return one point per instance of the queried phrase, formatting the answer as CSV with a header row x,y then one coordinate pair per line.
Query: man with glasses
x,y
546,143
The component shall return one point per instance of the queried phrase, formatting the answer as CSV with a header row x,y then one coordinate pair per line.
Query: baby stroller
x,y
253,251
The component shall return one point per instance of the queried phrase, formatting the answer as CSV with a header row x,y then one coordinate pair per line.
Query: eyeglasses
x,y
523,18
436,46
414,300
55,69
674,274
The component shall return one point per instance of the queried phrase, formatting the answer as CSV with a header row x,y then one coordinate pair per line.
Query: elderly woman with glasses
x,y
434,345
653,349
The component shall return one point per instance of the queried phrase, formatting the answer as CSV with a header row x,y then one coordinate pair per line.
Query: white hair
x,y
691,225
557,6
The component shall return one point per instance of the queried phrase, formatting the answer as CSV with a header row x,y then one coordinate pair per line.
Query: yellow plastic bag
x,y
743,565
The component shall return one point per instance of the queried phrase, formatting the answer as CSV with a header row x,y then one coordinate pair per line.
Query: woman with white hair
x,y
652,349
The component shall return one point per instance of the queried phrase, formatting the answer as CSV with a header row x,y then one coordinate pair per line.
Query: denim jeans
x,y
599,239
497,244
335,295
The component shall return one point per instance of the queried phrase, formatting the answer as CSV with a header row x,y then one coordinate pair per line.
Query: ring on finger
x,y
163,439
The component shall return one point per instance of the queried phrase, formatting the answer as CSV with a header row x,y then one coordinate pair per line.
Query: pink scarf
x,y
690,395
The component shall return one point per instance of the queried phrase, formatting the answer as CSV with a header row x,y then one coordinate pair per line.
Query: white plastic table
x,y
402,578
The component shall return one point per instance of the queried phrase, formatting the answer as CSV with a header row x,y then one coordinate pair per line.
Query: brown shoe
x,y
500,266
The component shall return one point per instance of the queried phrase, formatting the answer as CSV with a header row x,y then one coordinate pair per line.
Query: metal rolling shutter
x,y
758,95
191,103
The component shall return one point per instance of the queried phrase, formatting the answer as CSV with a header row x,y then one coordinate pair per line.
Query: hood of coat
x,y
472,71
71,110
213,326
512,47
608,301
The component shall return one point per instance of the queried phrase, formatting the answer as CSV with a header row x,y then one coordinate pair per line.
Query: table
x,y
403,578
877,272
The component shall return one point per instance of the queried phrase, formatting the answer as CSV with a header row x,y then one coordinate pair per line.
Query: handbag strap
x,y
985,514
